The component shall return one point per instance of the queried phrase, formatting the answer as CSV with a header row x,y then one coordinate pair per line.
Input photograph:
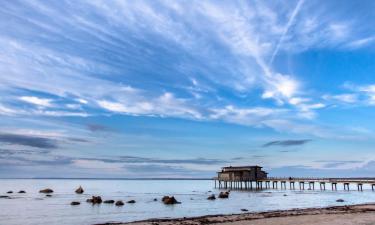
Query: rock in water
x,y
96,200
4,196
211,197
119,203
75,203
244,210
224,194
109,201
10,192
22,192
170,200
46,191
48,195
79,190
164,198
340,200
131,201
155,199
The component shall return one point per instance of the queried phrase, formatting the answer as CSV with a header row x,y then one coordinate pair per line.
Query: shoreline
x,y
350,214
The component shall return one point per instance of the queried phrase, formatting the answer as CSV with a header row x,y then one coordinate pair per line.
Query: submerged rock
x,y
224,194
131,201
95,200
119,203
75,203
10,192
109,201
211,197
170,200
79,190
22,192
47,190
340,200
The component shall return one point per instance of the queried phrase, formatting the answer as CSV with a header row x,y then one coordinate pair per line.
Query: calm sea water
x,y
34,208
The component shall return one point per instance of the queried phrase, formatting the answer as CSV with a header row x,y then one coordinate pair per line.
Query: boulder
x,y
119,203
46,191
22,192
109,201
340,200
131,201
95,200
79,190
170,200
75,203
211,197
10,192
224,195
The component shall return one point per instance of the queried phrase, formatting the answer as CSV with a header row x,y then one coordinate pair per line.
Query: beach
x,y
348,215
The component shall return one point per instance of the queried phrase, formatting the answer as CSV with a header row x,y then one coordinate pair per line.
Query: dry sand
x,y
340,215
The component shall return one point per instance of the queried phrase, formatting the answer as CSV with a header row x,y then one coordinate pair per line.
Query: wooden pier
x,y
253,177
292,182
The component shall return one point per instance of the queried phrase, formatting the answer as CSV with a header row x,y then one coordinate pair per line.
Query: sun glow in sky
x,y
181,88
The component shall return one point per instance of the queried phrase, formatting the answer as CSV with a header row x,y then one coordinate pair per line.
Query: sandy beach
x,y
343,215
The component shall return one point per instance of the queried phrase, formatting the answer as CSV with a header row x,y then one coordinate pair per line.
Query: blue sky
x,y
181,88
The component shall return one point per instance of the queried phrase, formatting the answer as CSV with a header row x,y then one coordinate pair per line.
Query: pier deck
x,y
273,183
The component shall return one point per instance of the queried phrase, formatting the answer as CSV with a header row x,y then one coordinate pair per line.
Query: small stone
x,y
340,200
109,201
79,190
211,197
22,192
95,200
170,200
119,203
75,203
224,194
47,190
131,201
244,210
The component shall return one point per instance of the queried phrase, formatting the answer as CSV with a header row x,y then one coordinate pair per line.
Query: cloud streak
x,y
287,143
27,140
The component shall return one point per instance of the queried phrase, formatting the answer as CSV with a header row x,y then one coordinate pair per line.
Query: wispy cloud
x,y
286,143
290,22
44,102
27,140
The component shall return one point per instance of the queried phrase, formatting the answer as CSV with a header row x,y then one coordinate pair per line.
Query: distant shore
x,y
351,214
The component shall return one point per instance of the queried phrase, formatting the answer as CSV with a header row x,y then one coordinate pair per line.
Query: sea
x,y
34,208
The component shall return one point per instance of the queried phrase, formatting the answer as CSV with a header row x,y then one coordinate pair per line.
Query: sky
x,y
125,89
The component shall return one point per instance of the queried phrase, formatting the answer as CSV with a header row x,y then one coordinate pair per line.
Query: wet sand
x,y
340,215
